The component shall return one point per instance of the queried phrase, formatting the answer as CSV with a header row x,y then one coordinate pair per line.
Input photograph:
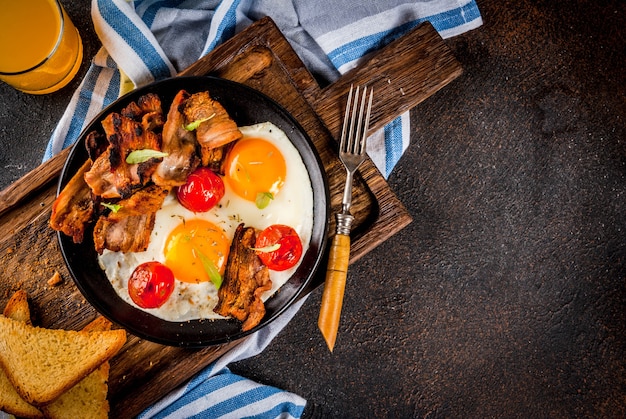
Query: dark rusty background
x,y
506,296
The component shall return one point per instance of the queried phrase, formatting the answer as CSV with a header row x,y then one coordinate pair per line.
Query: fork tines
x,y
354,132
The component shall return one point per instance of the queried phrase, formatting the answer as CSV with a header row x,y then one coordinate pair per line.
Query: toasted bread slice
x,y
17,307
10,401
44,363
98,324
88,398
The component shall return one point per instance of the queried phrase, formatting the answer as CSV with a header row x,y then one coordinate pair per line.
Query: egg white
x,y
292,206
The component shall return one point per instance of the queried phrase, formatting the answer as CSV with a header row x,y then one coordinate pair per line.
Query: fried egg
x,y
263,163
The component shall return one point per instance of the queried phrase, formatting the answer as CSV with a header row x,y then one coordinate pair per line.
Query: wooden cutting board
x,y
403,74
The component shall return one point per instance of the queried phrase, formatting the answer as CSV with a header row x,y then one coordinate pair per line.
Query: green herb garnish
x,y
267,249
113,207
192,126
140,156
263,199
210,269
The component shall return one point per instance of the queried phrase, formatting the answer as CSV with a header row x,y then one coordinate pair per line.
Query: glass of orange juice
x,y
40,48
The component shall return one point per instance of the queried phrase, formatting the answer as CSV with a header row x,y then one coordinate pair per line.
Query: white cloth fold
x,y
148,40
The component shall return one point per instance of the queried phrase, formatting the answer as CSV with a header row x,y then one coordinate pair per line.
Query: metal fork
x,y
351,154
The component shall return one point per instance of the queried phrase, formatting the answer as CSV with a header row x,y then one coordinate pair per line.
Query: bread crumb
x,y
55,280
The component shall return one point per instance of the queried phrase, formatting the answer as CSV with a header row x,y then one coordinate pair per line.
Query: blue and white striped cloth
x,y
216,392
148,40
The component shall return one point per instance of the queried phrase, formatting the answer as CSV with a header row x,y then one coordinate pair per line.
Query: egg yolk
x,y
194,248
255,166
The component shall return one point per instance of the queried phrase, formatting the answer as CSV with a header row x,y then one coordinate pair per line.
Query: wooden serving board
x,y
403,74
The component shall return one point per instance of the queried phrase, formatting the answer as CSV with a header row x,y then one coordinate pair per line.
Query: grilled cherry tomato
x,y
288,251
151,284
203,190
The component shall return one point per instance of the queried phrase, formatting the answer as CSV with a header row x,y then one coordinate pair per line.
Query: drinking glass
x,y
40,48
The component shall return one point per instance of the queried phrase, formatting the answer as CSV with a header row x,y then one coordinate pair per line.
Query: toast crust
x,y
17,307
10,401
88,398
26,353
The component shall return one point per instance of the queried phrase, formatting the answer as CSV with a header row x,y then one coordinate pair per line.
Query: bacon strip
x,y
217,131
146,110
216,157
180,145
129,229
110,175
143,201
73,209
129,234
96,144
141,187
245,280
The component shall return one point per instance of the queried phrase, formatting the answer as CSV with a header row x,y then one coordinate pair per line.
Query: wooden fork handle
x,y
332,297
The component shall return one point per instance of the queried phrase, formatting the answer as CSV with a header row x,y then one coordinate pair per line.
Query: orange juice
x,y
40,49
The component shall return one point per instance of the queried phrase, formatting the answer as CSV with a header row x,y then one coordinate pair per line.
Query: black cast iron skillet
x,y
246,106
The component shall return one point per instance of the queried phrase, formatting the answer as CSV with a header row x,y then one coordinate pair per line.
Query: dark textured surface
x,y
506,296
27,121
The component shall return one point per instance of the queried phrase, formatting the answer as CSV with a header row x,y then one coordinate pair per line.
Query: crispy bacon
x,y
139,188
143,201
146,110
101,178
111,176
179,144
129,234
245,280
108,183
216,157
152,121
73,209
129,229
216,131
96,144
147,103
125,134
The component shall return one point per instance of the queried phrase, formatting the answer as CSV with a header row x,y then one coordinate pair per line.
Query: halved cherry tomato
x,y
289,249
151,284
203,190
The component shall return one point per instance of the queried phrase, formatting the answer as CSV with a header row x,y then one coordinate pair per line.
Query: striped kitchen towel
x,y
148,40
216,392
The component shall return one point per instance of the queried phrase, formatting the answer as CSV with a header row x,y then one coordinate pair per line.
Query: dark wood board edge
x,y
402,74
14,194
192,361
391,218
262,33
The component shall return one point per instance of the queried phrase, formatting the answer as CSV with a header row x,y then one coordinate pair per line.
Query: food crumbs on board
x,y
55,279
